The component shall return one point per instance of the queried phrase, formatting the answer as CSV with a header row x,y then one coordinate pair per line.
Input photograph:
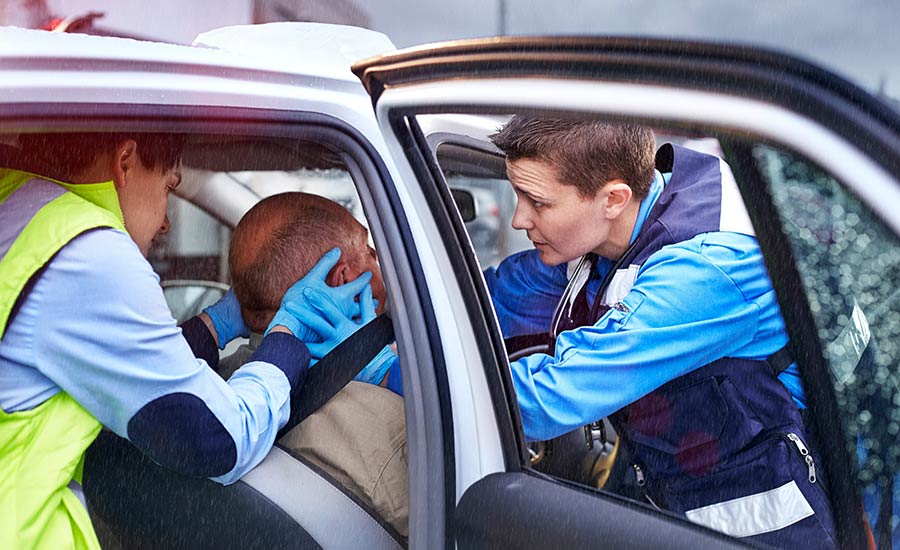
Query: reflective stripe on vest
x,y
42,449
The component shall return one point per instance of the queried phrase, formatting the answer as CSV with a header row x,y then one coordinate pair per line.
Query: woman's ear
x,y
618,197
124,161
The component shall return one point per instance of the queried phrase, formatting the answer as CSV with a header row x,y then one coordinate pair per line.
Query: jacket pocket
x,y
772,486
668,423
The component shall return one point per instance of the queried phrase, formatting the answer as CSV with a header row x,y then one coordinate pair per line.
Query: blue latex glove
x,y
378,368
333,327
344,296
286,319
227,319
329,321
295,307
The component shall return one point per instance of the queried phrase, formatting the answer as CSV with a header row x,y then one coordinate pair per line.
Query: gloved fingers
x,y
324,265
347,292
366,305
316,321
326,307
378,367
319,350
234,313
225,314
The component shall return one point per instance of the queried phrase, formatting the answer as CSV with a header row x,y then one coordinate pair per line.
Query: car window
x,y
825,224
849,263
192,258
480,171
356,441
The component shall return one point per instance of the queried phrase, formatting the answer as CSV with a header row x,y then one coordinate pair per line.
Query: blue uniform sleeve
x,y
394,379
201,341
104,334
691,303
525,292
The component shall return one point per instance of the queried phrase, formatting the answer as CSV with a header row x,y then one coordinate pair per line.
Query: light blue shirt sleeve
x,y
96,325
691,303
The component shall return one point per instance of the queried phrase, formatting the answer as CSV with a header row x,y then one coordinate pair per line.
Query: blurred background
x,y
858,40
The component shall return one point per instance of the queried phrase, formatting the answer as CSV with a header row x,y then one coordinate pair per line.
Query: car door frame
x,y
801,102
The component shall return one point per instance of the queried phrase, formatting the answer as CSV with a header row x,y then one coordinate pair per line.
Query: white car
x,y
276,107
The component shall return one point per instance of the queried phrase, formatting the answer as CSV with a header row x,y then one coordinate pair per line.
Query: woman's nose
x,y
521,219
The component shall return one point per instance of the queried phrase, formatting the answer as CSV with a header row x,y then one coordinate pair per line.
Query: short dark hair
x,y
68,154
585,153
301,228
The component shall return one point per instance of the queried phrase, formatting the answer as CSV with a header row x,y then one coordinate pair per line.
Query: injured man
x,y
359,436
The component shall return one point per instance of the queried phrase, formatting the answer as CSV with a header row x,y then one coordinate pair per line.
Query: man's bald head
x,y
278,241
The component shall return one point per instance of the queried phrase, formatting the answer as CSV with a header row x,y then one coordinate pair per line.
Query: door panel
x,y
524,510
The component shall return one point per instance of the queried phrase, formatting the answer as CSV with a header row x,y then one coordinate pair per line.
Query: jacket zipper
x,y
642,481
804,454
640,475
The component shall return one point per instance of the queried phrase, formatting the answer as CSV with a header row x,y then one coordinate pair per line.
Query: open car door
x,y
816,161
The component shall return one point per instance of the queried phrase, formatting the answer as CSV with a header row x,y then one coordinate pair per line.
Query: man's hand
x,y
226,319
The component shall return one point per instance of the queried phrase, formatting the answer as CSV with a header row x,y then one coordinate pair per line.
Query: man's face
x,y
144,197
560,223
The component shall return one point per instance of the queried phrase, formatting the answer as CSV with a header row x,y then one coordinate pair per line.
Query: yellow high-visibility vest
x,y
42,449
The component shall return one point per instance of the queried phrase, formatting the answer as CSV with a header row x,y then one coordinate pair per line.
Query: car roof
x,y
305,48
312,49
279,65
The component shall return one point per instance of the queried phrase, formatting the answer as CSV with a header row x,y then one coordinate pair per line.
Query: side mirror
x,y
465,203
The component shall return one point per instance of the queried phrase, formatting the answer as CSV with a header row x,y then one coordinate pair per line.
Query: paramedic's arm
x,y
211,330
117,351
523,277
692,303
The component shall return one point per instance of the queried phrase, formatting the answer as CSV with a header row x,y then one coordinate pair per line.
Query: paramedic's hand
x,y
227,320
295,306
330,323
343,296
378,368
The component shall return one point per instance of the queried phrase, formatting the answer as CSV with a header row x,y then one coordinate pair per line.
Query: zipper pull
x,y
799,443
812,468
804,452
640,475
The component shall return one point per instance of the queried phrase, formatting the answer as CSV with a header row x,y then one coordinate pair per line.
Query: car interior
x,y
285,502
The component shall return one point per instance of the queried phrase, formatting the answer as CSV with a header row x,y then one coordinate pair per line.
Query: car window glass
x,y
365,454
482,174
849,263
